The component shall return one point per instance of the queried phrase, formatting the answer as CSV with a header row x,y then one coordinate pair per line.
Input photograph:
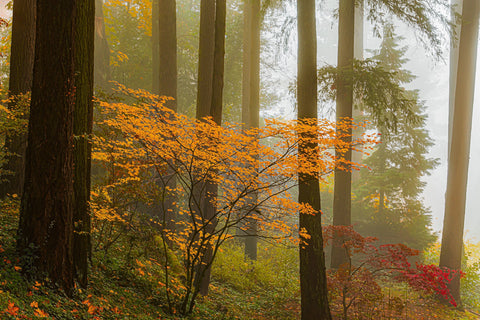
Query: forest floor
x,y
126,286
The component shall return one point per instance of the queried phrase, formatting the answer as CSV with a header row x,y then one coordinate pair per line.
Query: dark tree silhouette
x,y
210,104
82,127
46,215
313,279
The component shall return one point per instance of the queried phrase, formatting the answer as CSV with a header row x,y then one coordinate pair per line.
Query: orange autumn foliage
x,y
12,309
255,170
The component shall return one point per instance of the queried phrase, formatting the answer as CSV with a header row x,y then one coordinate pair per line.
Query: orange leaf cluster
x,y
256,165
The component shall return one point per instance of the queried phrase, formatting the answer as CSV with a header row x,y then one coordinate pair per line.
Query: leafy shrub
x,y
470,282
275,270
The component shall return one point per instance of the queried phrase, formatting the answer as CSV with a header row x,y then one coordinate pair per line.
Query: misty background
x,y
432,83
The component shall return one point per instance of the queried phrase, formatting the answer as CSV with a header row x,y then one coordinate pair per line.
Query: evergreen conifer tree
x,y
387,196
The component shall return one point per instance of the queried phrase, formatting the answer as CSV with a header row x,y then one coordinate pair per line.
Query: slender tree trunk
x,y
156,46
164,45
357,113
20,82
210,101
167,47
342,198
381,192
453,224
46,215
313,280
82,126
216,107
454,41
102,51
205,58
251,99
204,102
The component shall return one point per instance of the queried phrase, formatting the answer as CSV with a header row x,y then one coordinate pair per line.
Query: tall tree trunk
x,y
357,113
21,71
167,48
156,47
251,99
46,214
381,170
342,198
313,280
205,58
210,103
82,127
204,102
102,51
164,45
453,224
456,9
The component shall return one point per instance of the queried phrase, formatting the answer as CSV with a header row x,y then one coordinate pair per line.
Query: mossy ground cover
x,y
129,286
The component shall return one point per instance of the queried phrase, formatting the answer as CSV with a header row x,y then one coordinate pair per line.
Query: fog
x,y
432,83
136,192
432,77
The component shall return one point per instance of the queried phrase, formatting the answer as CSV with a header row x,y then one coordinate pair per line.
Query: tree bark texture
x,y
46,215
342,198
20,82
82,128
251,99
313,280
453,223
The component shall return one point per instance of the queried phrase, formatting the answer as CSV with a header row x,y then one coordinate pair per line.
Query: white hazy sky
x,y
433,84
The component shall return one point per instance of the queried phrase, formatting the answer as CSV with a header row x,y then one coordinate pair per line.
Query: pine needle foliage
x,y
378,89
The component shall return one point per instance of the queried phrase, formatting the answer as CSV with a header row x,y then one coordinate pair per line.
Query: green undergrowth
x,y
127,283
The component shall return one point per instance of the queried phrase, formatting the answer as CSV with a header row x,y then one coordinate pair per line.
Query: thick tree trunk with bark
x,y
342,198
251,99
82,127
313,280
453,224
20,82
46,215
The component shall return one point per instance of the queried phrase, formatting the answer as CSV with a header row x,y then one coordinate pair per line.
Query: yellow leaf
x,y
40,313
